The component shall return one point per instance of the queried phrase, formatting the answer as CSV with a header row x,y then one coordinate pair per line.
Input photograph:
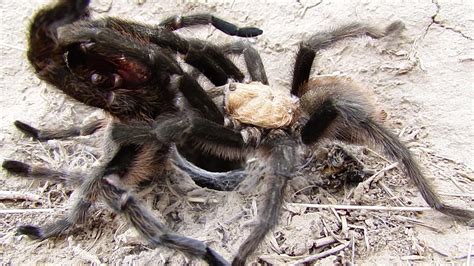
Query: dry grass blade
x,y
413,257
459,195
25,211
469,254
362,207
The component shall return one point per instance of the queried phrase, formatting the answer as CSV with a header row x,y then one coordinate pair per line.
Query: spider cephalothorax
x,y
130,71
313,109
120,66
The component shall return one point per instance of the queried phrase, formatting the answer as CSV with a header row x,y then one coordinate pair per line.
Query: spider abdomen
x,y
260,105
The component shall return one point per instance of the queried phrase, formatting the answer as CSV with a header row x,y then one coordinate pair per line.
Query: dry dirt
x,y
424,82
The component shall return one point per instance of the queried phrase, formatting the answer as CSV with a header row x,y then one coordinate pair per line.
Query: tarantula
x,y
130,71
317,108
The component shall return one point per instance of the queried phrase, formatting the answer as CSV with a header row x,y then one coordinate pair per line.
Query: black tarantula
x,y
130,71
328,107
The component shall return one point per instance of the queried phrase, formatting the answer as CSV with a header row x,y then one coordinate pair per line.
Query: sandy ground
x,y
424,82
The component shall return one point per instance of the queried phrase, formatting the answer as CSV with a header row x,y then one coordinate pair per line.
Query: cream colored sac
x,y
260,105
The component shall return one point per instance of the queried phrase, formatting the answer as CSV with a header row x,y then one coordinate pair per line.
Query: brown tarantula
x,y
322,107
130,71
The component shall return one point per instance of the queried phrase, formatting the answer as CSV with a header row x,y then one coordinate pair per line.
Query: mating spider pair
x,y
130,71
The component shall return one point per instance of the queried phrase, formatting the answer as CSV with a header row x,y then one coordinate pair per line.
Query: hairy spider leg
x,y
252,58
156,233
212,62
104,183
87,193
209,136
198,98
222,181
319,121
72,178
63,133
321,40
177,22
339,110
283,160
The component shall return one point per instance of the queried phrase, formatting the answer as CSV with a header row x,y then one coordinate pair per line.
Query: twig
x,y
15,195
344,227
359,190
330,232
307,162
455,182
353,249
378,155
385,169
366,239
438,251
417,222
98,235
336,214
323,254
390,193
201,200
22,211
273,243
361,207
306,7
324,241
298,191
443,157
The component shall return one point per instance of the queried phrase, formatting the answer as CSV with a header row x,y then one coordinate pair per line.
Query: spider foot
x,y
213,258
27,129
40,233
31,231
16,167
